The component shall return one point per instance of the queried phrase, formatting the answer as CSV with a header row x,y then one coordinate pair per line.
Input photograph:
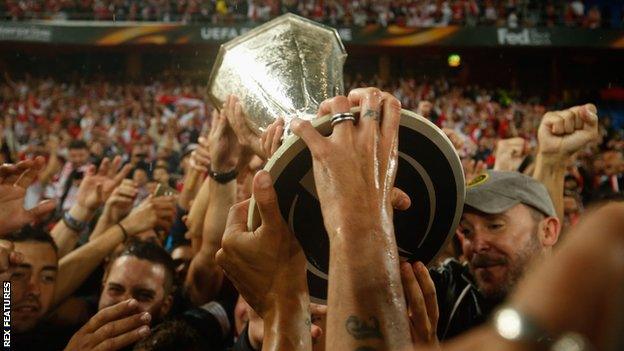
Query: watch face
x,y
429,171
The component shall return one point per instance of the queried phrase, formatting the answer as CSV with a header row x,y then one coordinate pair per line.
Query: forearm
x,y
192,184
197,214
550,170
102,225
365,295
79,264
52,167
287,327
204,280
65,237
220,198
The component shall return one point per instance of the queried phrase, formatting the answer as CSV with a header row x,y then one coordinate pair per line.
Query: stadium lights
x,y
454,60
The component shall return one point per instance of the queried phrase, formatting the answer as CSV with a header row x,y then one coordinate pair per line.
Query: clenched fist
x,y
562,133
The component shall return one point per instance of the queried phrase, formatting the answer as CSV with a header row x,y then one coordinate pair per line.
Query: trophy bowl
x,y
283,68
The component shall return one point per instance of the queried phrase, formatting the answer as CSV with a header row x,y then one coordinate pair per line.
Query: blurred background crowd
x,y
158,123
411,13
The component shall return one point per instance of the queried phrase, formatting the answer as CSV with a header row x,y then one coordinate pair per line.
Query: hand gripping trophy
x,y
286,68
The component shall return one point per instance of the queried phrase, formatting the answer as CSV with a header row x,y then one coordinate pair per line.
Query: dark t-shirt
x,y
461,305
242,343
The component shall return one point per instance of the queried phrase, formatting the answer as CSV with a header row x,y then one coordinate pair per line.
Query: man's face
x,y
161,175
78,157
163,152
499,247
612,163
138,154
32,284
131,277
140,177
182,256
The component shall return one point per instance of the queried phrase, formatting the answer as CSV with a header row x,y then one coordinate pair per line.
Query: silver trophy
x,y
286,68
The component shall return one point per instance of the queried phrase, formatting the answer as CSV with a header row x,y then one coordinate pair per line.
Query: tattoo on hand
x,y
371,114
360,330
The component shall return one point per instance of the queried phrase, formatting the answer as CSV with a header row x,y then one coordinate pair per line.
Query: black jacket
x,y
460,304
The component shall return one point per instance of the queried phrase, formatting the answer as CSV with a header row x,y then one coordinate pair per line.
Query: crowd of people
x,y
123,223
162,121
411,13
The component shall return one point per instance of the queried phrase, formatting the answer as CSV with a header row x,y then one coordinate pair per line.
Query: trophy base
x,y
429,171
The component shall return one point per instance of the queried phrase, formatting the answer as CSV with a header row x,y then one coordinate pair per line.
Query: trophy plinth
x,y
429,171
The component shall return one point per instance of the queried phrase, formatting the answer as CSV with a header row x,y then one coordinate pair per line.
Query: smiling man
x,y
509,221
143,271
34,279
33,282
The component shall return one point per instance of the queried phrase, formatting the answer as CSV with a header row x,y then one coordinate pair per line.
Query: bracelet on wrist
x,y
72,223
223,178
123,231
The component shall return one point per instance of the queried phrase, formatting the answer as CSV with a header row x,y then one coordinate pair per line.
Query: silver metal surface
x,y
284,68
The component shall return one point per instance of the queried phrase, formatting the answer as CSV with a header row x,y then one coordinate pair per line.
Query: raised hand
x,y
200,157
562,133
96,187
236,118
120,202
112,328
225,148
354,170
153,212
267,265
350,183
422,303
8,259
14,180
510,154
272,137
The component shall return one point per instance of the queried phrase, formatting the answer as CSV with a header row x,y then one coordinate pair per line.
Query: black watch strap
x,y
223,178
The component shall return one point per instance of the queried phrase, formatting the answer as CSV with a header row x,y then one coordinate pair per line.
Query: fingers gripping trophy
x,y
285,69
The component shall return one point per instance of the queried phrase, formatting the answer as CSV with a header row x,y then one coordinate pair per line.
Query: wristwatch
x,y
223,178
513,325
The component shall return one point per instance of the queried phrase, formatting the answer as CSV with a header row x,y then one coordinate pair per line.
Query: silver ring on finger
x,y
341,117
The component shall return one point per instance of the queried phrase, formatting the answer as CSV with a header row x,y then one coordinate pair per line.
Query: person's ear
x,y
549,230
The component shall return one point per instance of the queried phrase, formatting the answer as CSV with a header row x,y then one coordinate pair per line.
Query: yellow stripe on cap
x,y
478,180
